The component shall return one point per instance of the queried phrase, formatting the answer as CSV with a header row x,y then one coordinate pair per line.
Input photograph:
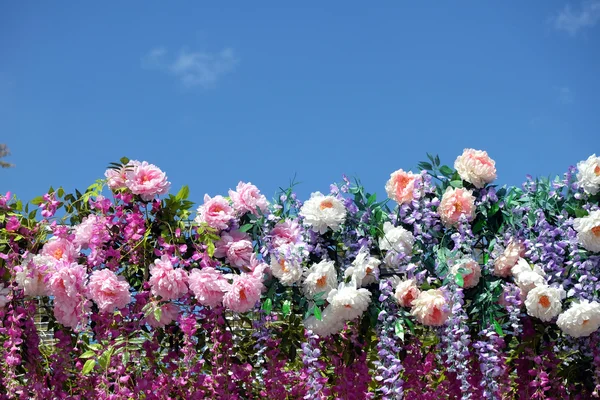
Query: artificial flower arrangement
x,y
449,288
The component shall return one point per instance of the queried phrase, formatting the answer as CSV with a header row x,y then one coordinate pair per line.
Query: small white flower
x,y
588,231
364,269
588,174
286,266
321,278
323,212
581,319
528,277
348,302
544,302
396,239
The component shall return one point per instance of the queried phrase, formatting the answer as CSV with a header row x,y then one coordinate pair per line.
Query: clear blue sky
x,y
214,94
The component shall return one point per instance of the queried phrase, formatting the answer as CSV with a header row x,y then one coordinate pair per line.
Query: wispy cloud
x,y
564,95
192,68
573,21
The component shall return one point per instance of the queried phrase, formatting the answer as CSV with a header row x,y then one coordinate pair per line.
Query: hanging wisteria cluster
x,y
450,287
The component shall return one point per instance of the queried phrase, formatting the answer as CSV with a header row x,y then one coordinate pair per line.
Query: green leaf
x,y
498,328
425,165
460,281
88,366
446,170
246,227
88,354
104,359
456,184
267,306
286,309
580,213
399,329
157,313
183,193
317,313
372,198
37,200
124,160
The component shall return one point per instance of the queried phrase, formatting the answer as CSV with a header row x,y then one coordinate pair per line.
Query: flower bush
x,y
449,288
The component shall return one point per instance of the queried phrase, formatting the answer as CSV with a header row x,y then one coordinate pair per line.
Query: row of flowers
x,y
298,299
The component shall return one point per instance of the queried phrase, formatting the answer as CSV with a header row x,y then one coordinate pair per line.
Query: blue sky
x,y
214,94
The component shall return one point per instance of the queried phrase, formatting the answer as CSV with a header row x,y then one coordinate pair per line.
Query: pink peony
x,y
401,185
472,274
92,227
108,290
503,264
207,285
146,180
67,285
215,212
455,204
287,232
236,246
431,308
406,292
242,294
476,167
168,314
247,198
165,281
60,249
115,178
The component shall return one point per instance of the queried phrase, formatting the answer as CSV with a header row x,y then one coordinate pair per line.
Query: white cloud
x,y
193,68
572,21
565,95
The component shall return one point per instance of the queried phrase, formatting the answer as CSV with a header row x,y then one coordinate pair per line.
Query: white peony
x,y
588,231
329,324
527,277
322,212
364,269
397,239
588,174
544,302
476,167
4,292
582,319
348,302
286,267
321,277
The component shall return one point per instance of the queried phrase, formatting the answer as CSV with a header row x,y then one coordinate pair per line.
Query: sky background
x,y
213,94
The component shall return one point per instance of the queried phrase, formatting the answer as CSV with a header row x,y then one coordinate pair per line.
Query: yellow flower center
x,y
347,306
282,265
243,294
585,322
322,281
596,231
544,301
369,270
597,170
326,204
58,253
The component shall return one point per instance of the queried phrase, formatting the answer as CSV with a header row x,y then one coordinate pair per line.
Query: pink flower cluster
x,y
166,281
215,212
456,204
108,291
247,198
476,167
141,178
67,285
236,246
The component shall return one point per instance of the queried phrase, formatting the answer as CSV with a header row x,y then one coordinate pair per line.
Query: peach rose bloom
x,y
471,277
456,203
476,167
401,185
431,308
406,292
508,259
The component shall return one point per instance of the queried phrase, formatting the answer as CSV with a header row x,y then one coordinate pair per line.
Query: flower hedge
x,y
449,288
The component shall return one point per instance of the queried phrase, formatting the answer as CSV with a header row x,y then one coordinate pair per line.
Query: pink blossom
x,y
242,294
147,180
67,285
165,281
431,308
90,227
236,246
207,285
108,290
115,178
168,314
247,198
12,224
508,259
471,276
287,232
401,186
60,249
215,212
455,204
406,292
4,200
476,167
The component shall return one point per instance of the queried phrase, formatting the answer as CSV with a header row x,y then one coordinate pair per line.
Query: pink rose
x,y
406,292
242,294
60,249
146,180
67,285
215,212
236,246
455,204
472,274
247,198
431,308
401,185
285,233
108,290
207,285
503,264
476,167
168,314
165,281
92,228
